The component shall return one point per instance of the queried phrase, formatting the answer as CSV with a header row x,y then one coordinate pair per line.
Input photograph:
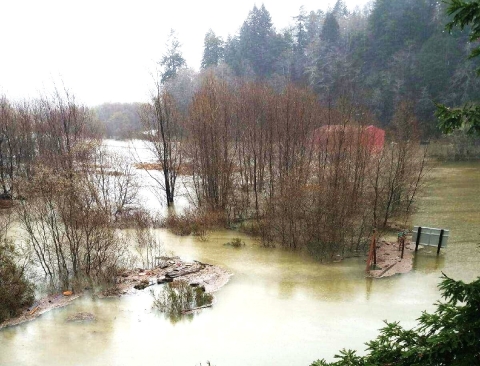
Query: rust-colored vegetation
x,y
300,175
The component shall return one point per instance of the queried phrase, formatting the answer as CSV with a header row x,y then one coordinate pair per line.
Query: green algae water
x,y
279,308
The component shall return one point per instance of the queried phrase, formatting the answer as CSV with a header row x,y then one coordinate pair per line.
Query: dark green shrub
x,y
202,298
236,243
16,292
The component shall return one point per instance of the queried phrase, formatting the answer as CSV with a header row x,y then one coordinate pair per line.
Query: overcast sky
x,y
106,51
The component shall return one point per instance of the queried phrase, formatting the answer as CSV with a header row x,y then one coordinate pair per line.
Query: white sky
x,y
106,51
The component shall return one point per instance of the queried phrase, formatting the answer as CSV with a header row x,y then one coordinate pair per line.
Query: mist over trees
x,y
468,117
389,52
119,120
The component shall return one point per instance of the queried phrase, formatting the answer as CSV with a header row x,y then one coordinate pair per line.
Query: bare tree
x,y
162,124
74,198
210,141
308,176
17,145
113,184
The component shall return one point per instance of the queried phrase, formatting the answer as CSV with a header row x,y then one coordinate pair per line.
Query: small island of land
x,y
390,261
168,269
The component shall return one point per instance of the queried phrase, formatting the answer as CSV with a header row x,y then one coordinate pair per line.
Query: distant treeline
x,y
389,52
120,120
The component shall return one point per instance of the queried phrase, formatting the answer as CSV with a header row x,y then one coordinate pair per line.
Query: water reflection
x,y
427,260
368,287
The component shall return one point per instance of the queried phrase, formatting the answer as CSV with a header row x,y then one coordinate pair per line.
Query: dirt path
x,y
389,261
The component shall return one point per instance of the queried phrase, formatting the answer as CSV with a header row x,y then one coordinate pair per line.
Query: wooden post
x,y
402,240
419,232
440,241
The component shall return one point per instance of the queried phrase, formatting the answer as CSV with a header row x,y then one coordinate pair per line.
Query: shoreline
x,y
41,306
169,269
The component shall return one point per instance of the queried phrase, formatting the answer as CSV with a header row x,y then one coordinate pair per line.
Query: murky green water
x,y
279,308
452,201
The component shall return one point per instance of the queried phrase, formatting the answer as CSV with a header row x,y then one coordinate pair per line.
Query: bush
x,y
178,297
236,243
450,336
179,224
16,292
195,222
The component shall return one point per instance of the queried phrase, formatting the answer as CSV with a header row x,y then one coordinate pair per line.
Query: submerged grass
x,y
179,297
236,243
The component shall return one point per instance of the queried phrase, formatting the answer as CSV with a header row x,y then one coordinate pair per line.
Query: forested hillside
x,y
390,52
380,57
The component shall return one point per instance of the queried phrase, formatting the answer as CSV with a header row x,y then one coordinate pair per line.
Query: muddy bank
x,y
168,269
389,261
40,307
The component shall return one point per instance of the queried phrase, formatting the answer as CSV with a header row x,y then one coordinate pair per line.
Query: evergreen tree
x,y
300,37
283,56
172,60
331,29
340,9
313,25
233,56
212,50
256,40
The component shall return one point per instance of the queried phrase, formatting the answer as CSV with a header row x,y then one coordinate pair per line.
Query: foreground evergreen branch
x,y
449,336
465,14
452,119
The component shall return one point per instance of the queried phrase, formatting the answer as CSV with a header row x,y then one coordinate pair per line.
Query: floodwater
x,y
279,308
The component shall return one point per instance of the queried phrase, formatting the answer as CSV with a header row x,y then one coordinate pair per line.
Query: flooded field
x,y
279,308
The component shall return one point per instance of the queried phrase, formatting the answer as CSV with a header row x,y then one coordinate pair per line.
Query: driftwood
x,y
183,271
80,317
187,311
386,269
211,278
